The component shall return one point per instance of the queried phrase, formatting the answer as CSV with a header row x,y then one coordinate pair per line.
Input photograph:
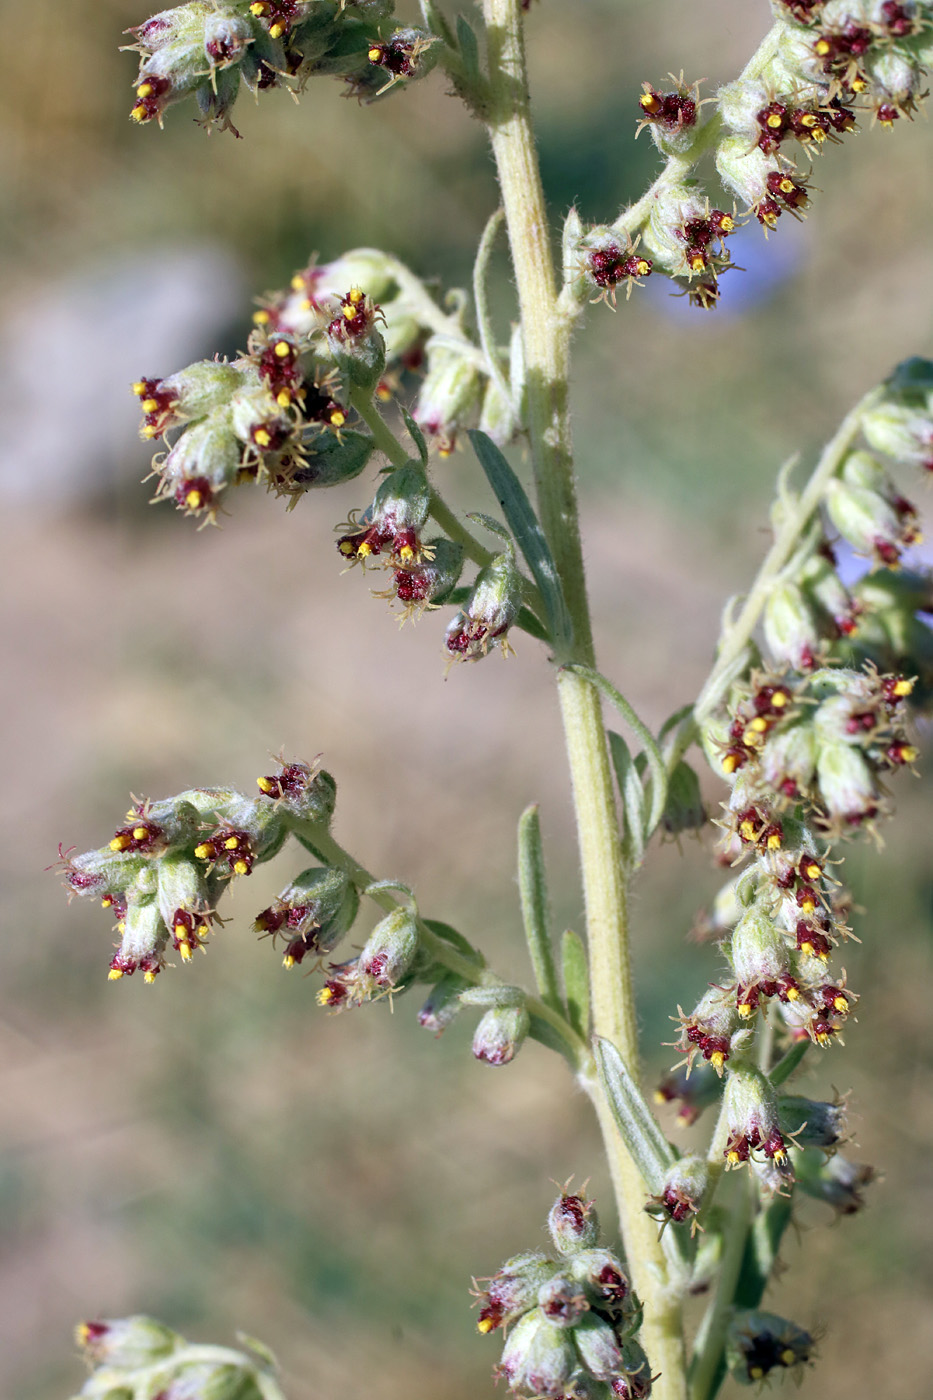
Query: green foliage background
x,y
215,1149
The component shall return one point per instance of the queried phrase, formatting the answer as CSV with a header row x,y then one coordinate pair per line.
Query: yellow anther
x,y
149,976
276,30
819,134
82,1334
717,1059
121,927
780,1156
792,993
231,843
659,1097
730,763
643,266
485,1325
203,930
356,295
858,84
140,833
823,1038
774,121
822,47
181,931
364,551
698,262
647,100
148,430
727,223
383,394
298,282
119,843
144,90
107,901
262,317
788,1357
779,699
733,1159
139,388
194,500
840,1004
786,185
347,548
282,348
747,830
283,398
808,120
324,997
770,219
288,960
902,687
406,553
204,851
756,1373
808,905
265,785
262,437
759,724
307,304
241,868
746,1010
114,974
338,418
149,405
445,451
349,312
259,7
774,841
807,948
908,753
374,54
185,950
812,870
139,113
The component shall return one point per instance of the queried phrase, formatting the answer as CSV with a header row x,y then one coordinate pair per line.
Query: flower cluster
x,y
138,1358
207,47
162,874
571,1320
758,1343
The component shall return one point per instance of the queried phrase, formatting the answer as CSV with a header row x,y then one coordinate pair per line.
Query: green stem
x,y
706,1367
546,339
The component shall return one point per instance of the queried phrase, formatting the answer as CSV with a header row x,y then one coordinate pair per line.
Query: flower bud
x,y
761,961
501,1034
419,585
513,1290
184,900
301,791
823,586
837,1181
573,1224
684,809
903,431
685,1184
759,1342
127,1343
745,170
598,1347
488,613
788,759
791,629
205,459
450,397
312,913
105,873
407,53
538,1358
751,1113
143,942
442,1004
812,1124
498,418
710,1026
740,103
206,1380
391,950
868,513
847,785
670,117
674,209
226,38
636,1379
247,831
603,1279
357,347
394,521
562,1300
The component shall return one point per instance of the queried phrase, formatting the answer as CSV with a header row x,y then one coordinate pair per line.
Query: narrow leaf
x,y
786,1066
576,982
528,533
633,801
456,940
656,764
416,435
469,48
536,913
495,996
651,1151
761,1251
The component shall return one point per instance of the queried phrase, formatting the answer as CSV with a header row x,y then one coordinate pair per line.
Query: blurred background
x,y
215,1149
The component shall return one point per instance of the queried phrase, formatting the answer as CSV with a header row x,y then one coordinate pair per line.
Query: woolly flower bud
x,y
710,1026
143,943
357,347
205,459
822,586
685,1185
868,513
788,759
443,1004
599,261
301,791
391,949
839,1182
752,1116
127,1343
674,209
598,1347
791,628
450,397
513,1290
393,522
744,171
901,431
573,1224
226,38
603,1279
538,1358
670,117
501,1034
190,393
812,1124
488,613
407,53
694,1092
246,831
848,788
417,586
761,962
312,913
759,1342
184,899
562,1300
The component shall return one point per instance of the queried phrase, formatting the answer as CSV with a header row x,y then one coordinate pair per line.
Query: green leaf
x,y
650,1150
536,914
576,982
529,536
330,459
494,997
761,1251
657,790
786,1066
912,379
456,940
633,800
416,435
469,48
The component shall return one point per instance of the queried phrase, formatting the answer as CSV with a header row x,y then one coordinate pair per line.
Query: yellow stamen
x,y
774,121
822,47
374,54
643,267
727,223
324,997
406,552
364,551
819,135
288,960
779,699
306,304
185,950
231,843
149,977
717,1059
774,841
807,948
121,927
908,753
349,312
262,437
808,120
276,31
840,1004
265,785
756,1373
119,843
241,868
733,1159
859,84
730,763
148,430
298,282
139,388
144,90
812,871
788,1357
383,394
338,418
114,974
262,317
149,405
485,1325
107,901
203,930
139,114
747,830
140,833
780,1156
786,185
658,1096
759,725
697,262
808,905
283,398
792,993
282,348
746,1010
259,7
194,500
356,295
204,851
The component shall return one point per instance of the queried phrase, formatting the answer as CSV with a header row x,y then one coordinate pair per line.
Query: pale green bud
x,y
839,1182
635,1381
313,913
795,53
357,348
498,418
562,1300
759,955
751,1114
489,612
823,586
758,1343
143,942
896,78
812,1124
604,1279
450,395
788,759
391,950
257,419
740,103
226,38
538,1356
127,1343
513,1289
500,1034
204,460
301,791
675,206
685,1183
790,627
573,1223
598,1347
443,1004
402,501
848,788
744,169
903,431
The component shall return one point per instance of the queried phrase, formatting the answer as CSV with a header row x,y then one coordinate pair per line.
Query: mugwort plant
x,y
805,719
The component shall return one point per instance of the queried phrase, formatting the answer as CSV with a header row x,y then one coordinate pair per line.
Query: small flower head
x,y
311,914
512,1290
301,790
391,950
488,613
709,1028
759,1343
539,1357
670,116
752,1115
573,1223
353,341
693,1092
604,1280
127,1343
791,627
837,1180
684,1188
442,1005
500,1034
451,394
812,1124
393,523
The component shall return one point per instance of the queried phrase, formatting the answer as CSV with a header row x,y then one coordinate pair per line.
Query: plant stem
x,y
546,336
710,1339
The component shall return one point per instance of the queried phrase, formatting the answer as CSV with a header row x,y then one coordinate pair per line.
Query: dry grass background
x,y
215,1149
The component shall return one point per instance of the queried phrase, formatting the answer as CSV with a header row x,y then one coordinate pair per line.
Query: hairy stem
x,y
546,337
